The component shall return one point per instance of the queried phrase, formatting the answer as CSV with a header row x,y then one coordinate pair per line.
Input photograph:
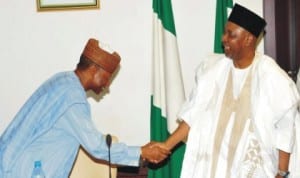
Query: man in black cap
x,y
240,117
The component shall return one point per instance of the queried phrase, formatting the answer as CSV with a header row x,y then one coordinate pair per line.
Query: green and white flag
x,y
221,19
167,87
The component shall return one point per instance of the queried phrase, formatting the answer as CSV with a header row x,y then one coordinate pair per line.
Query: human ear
x,y
249,40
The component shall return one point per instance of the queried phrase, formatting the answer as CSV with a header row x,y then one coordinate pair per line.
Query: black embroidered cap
x,y
247,19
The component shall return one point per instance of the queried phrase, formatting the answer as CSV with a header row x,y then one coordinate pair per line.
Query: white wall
x,y
35,45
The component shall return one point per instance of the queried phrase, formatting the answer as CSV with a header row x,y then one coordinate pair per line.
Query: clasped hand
x,y
155,152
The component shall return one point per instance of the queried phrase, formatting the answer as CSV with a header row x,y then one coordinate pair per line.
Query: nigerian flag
x,y
221,19
167,88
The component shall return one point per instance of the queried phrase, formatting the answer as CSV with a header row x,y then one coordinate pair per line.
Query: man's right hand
x,y
154,152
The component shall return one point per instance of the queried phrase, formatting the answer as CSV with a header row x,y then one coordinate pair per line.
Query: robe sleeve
x,y
284,99
190,105
285,132
201,93
81,126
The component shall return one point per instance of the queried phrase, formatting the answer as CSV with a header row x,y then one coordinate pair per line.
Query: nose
x,y
224,38
108,83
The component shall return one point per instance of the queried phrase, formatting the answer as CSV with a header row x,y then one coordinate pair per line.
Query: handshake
x,y
155,152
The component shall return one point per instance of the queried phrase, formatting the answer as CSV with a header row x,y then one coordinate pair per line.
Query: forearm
x,y
284,159
156,152
178,135
283,162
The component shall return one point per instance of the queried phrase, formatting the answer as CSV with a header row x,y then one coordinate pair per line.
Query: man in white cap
x,y
56,121
240,117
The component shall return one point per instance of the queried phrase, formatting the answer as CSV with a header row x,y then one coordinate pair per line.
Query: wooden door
x,y
282,40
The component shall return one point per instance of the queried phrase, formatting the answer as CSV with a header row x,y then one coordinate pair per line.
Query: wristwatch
x,y
284,174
